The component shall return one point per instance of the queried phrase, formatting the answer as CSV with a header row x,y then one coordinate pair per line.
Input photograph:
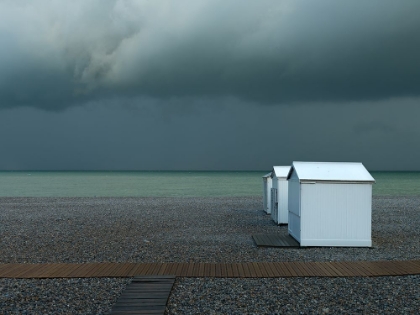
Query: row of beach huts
x,y
323,203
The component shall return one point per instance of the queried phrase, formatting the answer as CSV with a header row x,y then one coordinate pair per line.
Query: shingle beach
x,y
79,230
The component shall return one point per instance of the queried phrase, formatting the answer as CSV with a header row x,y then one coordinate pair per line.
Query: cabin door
x,y
274,204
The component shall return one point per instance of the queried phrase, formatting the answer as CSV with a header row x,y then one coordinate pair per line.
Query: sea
x,y
167,183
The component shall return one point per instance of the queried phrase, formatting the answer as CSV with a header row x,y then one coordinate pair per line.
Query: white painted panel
x,y
274,181
264,194
273,200
336,243
274,204
294,208
294,196
332,171
281,171
294,226
269,185
283,202
334,213
294,175
273,197
274,213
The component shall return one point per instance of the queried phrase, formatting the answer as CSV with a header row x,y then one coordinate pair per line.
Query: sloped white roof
x,y
267,175
332,171
281,171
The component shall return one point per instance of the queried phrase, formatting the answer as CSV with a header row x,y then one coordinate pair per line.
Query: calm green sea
x,y
161,184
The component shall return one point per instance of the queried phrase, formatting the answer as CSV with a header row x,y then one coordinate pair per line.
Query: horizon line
x,y
180,170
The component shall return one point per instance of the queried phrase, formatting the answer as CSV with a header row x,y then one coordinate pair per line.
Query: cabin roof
x,y
332,171
281,171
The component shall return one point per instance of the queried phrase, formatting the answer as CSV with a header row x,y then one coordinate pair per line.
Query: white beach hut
x,y
330,204
279,194
267,182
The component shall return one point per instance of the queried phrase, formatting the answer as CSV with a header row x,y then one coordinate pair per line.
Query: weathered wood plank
x,y
190,269
367,267
289,267
162,268
403,266
70,270
213,270
49,272
323,270
313,269
275,240
351,271
223,270
183,271
272,270
237,270
241,272
247,272
145,295
171,268
201,268
253,270
104,270
303,268
196,270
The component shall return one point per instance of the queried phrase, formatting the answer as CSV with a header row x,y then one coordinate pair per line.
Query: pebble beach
x,y
217,229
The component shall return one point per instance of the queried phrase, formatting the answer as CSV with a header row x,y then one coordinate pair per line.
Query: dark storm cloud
x,y
374,126
55,54
235,136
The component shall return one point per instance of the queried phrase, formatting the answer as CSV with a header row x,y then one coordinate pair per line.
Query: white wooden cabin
x,y
330,204
267,182
279,194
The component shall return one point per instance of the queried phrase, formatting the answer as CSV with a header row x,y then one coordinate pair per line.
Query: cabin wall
x,y
283,201
269,185
273,201
335,214
294,207
264,193
274,190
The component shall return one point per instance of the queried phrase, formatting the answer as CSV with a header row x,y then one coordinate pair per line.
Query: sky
x,y
208,85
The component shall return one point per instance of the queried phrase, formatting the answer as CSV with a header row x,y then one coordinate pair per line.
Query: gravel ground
x,y
358,295
76,230
59,296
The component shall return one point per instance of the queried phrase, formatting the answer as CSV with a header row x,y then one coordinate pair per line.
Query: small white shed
x,y
330,204
279,194
267,182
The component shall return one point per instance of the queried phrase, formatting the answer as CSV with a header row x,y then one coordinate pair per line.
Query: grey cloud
x,y
237,135
54,55
374,126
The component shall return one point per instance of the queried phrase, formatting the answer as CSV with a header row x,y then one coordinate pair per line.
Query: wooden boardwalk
x,y
221,270
275,240
144,295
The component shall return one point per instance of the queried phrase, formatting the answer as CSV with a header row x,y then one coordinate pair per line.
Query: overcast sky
x,y
208,85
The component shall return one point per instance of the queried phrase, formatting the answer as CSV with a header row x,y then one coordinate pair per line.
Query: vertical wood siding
x,y
273,201
265,194
336,214
283,202
267,184
294,207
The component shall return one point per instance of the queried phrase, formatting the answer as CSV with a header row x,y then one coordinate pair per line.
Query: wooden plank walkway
x,y
144,295
234,270
275,240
